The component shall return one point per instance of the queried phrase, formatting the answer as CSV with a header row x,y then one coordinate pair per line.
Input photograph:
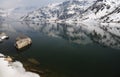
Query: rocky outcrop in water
x,y
3,36
22,42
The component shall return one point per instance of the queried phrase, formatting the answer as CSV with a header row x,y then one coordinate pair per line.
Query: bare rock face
x,y
22,42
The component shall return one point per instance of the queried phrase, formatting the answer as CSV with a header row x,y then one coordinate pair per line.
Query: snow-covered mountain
x,y
77,10
105,10
59,11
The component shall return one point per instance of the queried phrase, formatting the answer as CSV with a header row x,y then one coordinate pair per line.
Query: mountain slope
x,y
114,16
59,11
101,9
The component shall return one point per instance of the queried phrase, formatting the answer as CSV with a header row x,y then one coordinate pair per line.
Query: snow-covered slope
x,y
105,10
114,16
59,11
13,69
77,10
101,8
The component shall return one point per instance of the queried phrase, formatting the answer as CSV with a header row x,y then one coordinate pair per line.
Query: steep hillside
x,y
59,11
77,11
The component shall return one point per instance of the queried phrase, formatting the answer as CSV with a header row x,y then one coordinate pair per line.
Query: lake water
x,y
67,50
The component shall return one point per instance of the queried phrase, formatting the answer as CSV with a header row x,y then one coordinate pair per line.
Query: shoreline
x,y
14,69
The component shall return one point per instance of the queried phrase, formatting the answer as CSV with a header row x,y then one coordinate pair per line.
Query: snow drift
x,y
14,69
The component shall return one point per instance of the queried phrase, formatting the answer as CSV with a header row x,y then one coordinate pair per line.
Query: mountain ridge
x,y
77,11
60,11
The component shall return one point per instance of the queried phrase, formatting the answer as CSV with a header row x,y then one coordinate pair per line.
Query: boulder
x,y
3,36
22,42
8,58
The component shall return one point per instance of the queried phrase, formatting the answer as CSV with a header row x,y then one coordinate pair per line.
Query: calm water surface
x,y
67,50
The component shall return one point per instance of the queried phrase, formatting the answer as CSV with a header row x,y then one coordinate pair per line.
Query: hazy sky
x,y
16,3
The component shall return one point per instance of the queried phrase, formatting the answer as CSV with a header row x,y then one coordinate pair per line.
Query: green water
x,y
64,53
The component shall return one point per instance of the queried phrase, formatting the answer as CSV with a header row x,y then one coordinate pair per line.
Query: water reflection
x,y
66,49
106,35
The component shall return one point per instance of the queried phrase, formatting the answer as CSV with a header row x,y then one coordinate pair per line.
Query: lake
x,y
65,50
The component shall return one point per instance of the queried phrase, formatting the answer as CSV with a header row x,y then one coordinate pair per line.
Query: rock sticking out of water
x,y
40,72
33,61
3,36
30,66
22,42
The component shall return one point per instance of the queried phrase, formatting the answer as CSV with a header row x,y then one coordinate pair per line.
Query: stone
x,y
3,36
40,72
33,61
22,42
8,58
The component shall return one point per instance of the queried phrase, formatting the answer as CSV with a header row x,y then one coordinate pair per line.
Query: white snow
x,y
14,69
71,12
52,12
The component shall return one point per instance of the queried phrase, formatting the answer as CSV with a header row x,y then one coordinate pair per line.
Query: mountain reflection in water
x,y
106,35
68,50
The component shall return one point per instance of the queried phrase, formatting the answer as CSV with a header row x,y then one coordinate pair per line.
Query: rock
x,y
22,42
8,58
33,61
37,71
3,36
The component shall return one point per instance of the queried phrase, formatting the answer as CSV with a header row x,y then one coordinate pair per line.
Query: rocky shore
x,y
13,69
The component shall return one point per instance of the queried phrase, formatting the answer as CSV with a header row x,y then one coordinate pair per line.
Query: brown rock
x,y
33,61
22,42
9,59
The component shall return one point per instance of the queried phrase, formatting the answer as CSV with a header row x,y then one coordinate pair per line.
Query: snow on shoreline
x,y
14,69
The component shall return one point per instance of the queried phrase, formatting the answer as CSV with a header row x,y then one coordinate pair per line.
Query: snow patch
x,y
14,69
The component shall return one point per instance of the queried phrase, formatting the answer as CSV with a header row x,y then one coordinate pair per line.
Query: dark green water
x,y
66,50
